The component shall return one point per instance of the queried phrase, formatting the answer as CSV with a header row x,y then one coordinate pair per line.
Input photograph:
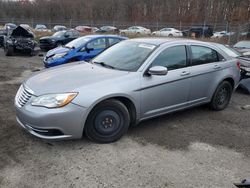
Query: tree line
x,y
133,11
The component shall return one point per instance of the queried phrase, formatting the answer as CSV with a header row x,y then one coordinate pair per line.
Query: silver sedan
x,y
130,82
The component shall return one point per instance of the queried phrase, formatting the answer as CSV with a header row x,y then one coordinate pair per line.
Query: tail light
x,y
238,64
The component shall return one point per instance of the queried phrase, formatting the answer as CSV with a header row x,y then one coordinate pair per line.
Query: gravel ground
x,y
192,148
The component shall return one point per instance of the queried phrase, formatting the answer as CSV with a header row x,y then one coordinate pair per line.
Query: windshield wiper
x,y
104,65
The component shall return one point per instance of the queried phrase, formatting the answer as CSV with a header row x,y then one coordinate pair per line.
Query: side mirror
x,y
83,49
158,70
88,49
66,35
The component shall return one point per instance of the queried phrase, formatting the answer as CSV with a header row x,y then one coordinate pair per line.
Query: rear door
x,y
206,66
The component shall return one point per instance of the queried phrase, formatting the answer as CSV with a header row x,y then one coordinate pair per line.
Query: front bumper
x,y
53,124
47,45
245,72
50,62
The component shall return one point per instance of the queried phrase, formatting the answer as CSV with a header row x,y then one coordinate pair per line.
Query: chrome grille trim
x,y
23,95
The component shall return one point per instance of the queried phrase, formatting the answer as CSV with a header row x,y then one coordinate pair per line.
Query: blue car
x,y
83,48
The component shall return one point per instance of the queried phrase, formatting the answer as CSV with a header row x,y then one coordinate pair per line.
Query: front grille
x,y
44,41
23,96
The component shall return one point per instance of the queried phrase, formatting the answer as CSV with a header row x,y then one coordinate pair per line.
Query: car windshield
x,y
78,42
229,51
127,55
40,27
242,44
59,33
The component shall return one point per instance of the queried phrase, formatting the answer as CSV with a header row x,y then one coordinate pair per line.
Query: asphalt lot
x,y
192,148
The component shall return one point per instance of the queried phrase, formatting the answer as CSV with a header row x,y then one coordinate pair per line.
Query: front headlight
x,y
54,100
59,55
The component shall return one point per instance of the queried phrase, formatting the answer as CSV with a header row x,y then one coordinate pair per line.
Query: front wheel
x,y
221,96
107,122
8,50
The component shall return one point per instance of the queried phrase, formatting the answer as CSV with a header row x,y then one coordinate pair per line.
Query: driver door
x,y
166,93
94,47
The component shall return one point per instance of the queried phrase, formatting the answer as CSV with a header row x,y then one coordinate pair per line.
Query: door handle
x,y
217,66
185,73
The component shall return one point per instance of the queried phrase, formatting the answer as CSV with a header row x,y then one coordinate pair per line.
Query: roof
x,y
159,41
96,36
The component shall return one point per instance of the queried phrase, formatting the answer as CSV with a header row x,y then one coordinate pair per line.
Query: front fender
x,y
135,102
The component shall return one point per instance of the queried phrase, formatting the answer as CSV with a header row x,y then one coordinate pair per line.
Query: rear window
x,y
203,55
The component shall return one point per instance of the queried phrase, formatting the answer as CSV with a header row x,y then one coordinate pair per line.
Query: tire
x,y
222,96
8,50
170,35
32,53
107,122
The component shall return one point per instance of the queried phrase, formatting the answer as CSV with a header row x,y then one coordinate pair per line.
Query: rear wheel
x,y
221,96
170,35
107,122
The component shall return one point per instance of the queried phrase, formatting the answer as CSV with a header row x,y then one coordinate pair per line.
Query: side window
x,y
203,55
172,58
97,44
70,34
113,41
75,33
221,58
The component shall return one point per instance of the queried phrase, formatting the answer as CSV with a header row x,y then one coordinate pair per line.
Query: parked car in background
x,y
108,29
95,29
84,29
220,34
244,60
243,46
7,29
135,30
3,34
245,34
168,32
26,26
10,26
59,28
122,86
58,39
41,28
82,48
19,40
199,31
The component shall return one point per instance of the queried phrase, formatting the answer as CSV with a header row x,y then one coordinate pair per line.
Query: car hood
x,y
22,32
57,50
48,37
70,78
